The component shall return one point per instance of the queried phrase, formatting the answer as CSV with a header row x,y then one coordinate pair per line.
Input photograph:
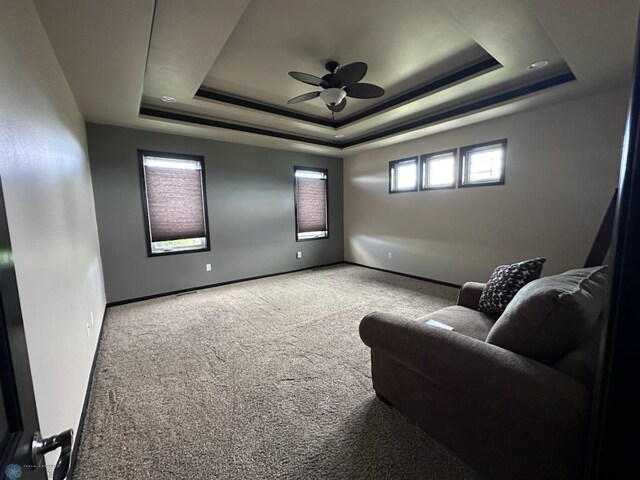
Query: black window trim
x,y
462,159
295,201
423,171
145,208
392,165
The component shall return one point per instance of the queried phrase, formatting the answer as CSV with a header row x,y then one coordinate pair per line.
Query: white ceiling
x,y
119,55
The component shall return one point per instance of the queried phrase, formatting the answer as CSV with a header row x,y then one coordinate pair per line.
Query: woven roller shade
x,y
311,195
174,198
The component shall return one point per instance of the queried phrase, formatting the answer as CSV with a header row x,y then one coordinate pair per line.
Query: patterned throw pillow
x,y
505,282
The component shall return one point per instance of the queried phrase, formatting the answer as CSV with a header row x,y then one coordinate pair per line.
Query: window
x,y
310,196
174,202
483,164
438,170
403,175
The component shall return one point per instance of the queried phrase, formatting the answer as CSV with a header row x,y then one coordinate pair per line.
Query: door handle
x,y
40,446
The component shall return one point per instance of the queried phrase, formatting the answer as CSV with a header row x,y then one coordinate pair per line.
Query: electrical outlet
x,y
389,255
298,254
208,267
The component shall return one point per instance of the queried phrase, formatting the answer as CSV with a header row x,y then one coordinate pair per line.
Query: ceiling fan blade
x,y
350,74
304,97
364,90
339,107
309,79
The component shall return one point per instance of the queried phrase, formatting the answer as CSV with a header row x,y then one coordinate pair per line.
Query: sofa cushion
x,y
581,362
505,281
466,321
549,317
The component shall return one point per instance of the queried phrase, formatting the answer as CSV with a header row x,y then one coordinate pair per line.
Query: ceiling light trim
x,y
451,113
538,64
458,76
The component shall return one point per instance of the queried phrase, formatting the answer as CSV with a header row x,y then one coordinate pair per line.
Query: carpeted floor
x,y
265,379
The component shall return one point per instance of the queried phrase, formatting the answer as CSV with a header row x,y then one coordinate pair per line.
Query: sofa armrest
x,y
469,295
491,378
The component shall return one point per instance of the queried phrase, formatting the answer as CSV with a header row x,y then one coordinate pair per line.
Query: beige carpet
x,y
265,379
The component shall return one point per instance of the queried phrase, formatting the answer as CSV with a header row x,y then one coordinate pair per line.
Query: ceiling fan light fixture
x,y
333,96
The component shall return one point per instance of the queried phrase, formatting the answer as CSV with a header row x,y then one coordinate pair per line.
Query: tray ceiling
x,y
226,61
403,47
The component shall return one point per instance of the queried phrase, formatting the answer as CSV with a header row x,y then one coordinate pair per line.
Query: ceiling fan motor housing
x,y
331,66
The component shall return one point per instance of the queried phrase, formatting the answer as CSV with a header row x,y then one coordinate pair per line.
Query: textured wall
x,y
562,167
48,194
251,213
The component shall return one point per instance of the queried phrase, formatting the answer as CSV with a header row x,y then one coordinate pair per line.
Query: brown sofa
x,y
507,414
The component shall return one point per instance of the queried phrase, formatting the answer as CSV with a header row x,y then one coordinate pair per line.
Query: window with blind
x,y
174,201
310,195
483,164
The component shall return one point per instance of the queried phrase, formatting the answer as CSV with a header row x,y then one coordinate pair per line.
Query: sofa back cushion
x,y
581,363
551,316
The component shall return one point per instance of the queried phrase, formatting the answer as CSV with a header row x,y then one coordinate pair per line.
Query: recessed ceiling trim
x,y
467,108
263,107
484,66
210,122
421,122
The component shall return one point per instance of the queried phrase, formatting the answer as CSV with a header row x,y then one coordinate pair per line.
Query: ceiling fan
x,y
338,84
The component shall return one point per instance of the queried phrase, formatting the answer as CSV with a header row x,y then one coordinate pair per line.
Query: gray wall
x,y
562,168
251,213
47,188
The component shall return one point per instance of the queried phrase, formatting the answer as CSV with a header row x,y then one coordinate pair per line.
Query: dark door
x,y
18,416
614,447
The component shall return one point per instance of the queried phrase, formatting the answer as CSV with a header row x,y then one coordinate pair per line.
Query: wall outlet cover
x,y
208,267
389,254
298,254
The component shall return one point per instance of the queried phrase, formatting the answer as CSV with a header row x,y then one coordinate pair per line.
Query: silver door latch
x,y
40,446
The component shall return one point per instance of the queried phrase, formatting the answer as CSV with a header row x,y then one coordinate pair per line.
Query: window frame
x,y
464,151
424,170
145,205
295,201
392,165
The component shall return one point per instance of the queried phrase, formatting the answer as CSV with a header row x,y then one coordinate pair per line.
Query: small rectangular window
x,y
311,203
438,170
403,175
174,202
483,164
